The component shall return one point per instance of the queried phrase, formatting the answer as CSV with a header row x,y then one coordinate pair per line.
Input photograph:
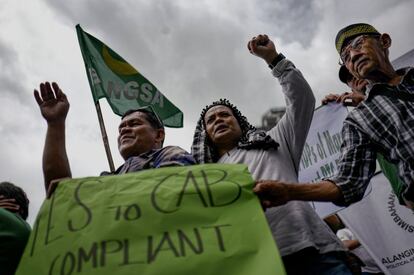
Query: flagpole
x,y
105,137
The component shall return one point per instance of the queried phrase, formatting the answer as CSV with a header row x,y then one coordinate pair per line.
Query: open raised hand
x,y
53,103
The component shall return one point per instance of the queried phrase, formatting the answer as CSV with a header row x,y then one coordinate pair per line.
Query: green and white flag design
x,y
111,77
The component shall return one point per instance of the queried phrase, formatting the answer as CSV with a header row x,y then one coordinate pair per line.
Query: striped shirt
x,y
380,124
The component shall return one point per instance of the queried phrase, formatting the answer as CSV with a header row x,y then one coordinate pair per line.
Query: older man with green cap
x,y
383,123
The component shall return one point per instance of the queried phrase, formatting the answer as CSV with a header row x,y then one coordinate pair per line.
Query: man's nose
x,y
354,55
124,130
218,119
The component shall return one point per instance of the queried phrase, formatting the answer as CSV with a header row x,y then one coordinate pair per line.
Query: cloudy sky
x,y
193,51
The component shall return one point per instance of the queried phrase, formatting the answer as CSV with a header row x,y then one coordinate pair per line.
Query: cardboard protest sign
x,y
179,220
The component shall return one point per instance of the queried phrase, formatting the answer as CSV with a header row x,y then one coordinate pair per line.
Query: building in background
x,y
271,118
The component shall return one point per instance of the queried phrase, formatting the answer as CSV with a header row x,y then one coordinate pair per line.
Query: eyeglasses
x,y
355,44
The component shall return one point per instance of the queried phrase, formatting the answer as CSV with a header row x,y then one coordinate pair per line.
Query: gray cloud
x,y
195,53
297,20
11,77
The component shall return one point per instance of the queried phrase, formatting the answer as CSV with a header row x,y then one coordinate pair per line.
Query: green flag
x,y
201,219
390,171
111,77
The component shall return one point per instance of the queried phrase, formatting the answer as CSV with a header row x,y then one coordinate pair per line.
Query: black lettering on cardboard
x,y
70,259
154,196
49,224
81,204
84,256
132,212
219,236
190,176
210,193
189,179
104,249
152,253
183,239
52,265
118,211
126,255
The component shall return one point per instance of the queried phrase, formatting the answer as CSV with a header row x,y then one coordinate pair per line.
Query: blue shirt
x,y
156,158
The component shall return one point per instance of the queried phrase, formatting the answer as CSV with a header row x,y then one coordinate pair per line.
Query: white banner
x,y
383,227
322,150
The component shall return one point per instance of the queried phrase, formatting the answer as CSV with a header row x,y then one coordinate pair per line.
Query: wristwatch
x,y
277,59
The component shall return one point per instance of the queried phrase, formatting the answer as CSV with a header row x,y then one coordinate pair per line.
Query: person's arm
x,y
357,162
355,169
274,193
54,107
300,101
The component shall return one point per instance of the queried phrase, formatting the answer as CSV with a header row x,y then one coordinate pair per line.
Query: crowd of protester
x,y
224,135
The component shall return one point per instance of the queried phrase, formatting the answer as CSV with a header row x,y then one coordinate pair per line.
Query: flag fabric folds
x,y
111,77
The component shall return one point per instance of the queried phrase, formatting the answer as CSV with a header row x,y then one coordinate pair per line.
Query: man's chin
x,y
221,135
224,139
124,152
365,70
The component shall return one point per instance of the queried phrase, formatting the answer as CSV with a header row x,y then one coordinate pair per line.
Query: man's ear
x,y
385,40
159,139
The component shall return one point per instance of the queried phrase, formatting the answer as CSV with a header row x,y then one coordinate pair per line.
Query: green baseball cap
x,y
352,31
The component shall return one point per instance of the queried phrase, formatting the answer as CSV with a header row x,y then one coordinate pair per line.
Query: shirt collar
x,y
407,74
